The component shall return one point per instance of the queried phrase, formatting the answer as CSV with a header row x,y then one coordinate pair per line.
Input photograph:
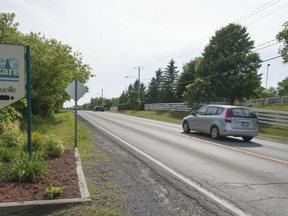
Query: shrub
x,y
11,139
54,147
37,141
9,154
2,171
53,192
124,106
24,170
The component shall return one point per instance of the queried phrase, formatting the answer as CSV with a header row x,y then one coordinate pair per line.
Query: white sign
x,y
71,90
12,74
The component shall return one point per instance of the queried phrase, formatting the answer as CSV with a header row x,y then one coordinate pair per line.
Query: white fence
x,y
167,106
268,101
278,118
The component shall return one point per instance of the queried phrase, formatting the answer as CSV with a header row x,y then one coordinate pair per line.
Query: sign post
x,y
29,103
76,90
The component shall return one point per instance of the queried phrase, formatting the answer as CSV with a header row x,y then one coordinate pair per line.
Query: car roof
x,y
224,106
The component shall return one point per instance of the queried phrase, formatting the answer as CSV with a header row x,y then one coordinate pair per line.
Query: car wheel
x,y
214,132
186,128
247,138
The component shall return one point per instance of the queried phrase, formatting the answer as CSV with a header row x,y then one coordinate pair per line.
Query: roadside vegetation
x,y
16,165
106,196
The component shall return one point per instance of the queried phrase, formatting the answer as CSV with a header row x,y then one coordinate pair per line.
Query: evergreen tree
x,y
168,91
154,88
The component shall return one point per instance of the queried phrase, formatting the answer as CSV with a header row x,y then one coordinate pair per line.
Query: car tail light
x,y
228,116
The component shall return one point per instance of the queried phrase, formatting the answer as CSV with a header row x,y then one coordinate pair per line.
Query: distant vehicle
x,y
223,120
98,108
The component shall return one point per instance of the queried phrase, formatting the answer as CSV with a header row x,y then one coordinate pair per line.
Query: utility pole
x,y
267,75
139,70
102,97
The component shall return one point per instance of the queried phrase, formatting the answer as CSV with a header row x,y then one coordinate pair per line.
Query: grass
x,y
273,107
107,198
168,116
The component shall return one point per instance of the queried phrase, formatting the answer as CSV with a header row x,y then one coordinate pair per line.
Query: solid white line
x,y
224,203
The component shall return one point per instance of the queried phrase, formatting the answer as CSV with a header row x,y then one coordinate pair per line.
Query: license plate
x,y
245,124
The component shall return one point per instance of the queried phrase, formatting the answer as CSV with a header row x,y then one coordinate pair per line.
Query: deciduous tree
x,y
230,65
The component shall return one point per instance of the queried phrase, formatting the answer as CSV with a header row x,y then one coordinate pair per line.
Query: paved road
x,y
248,178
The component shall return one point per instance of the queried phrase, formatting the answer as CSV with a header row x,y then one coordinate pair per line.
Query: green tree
x,y
186,77
196,92
168,91
154,88
283,87
123,97
53,67
133,99
229,64
283,37
266,93
9,33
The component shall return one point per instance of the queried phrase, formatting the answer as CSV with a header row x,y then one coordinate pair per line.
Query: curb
x,y
43,207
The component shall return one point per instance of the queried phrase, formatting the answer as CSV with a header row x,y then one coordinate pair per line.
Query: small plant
x,y
53,192
24,170
54,147
37,141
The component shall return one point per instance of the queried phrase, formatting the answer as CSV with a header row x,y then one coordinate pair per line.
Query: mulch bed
x,y
62,172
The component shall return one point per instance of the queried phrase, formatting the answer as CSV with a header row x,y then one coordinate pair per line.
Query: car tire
x,y
214,132
186,128
247,138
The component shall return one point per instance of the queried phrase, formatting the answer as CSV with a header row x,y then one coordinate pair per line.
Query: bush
x,y
24,170
11,139
2,171
124,107
53,147
9,154
37,142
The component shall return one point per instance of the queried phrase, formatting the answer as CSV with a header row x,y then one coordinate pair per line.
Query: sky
x,y
115,37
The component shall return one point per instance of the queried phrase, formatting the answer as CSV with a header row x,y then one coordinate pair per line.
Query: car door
x,y
195,122
207,119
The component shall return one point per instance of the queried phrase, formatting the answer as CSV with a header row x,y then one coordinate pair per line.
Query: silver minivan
x,y
223,120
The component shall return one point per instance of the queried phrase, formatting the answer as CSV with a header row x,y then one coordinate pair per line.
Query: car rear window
x,y
242,113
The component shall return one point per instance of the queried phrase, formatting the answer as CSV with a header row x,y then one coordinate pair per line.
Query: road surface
x,y
247,178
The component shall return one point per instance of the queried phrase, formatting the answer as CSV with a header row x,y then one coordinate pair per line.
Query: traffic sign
x,y
12,74
76,90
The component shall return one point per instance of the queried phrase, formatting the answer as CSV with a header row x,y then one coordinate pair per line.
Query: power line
x,y
247,16
256,11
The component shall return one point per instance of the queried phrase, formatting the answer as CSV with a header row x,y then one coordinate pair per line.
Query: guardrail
x,y
278,118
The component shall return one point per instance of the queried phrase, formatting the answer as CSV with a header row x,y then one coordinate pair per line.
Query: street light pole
x,y
267,75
